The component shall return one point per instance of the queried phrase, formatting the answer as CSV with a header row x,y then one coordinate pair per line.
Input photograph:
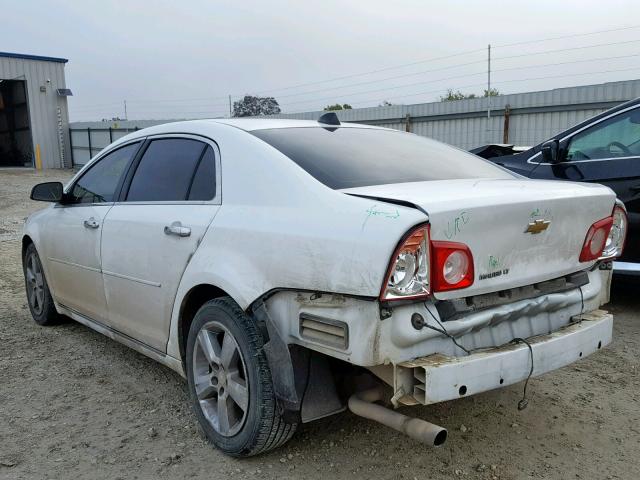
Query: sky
x,y
182,59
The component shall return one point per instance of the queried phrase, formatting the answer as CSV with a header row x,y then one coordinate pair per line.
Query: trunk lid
x,y
492,217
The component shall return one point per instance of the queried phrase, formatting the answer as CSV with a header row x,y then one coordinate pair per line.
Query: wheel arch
x,y
26,241
197,296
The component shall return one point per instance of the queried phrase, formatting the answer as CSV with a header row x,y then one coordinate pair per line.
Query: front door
x,y
149,237
75,226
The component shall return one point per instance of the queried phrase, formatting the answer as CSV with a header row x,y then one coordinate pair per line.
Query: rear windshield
x,y
359,157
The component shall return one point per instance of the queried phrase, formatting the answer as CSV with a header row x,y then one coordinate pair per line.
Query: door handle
x,y
177,229
91,223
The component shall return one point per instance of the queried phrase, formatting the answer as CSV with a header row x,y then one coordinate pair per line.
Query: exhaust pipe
x,y
361,404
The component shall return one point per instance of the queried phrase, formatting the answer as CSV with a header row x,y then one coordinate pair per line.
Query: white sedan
x,y
293,269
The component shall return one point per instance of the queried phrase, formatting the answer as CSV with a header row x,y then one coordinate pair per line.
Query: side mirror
x,y
47,192
550,151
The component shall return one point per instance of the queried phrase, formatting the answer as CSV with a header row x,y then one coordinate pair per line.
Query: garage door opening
x,y
16,146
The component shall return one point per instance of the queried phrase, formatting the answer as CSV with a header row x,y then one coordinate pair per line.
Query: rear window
x,y
359,157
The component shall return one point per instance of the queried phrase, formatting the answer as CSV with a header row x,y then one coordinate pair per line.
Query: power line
x,y
442,90
372,71
520,80
566,63
449,56
445,57
544,52
449,68
566,36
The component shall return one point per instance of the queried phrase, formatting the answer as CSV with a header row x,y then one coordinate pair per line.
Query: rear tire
x,y
230,382
39,297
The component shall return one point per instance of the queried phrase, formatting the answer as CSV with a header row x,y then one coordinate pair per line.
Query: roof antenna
x,y
329,118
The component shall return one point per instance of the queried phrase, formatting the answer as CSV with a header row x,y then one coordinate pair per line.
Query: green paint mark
x,y
374,212
540,213
494,262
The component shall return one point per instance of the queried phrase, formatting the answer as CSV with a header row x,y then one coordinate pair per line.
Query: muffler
x,y
361,404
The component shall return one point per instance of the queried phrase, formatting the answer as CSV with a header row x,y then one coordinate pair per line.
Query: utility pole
x,y
488,92
125,110
230,112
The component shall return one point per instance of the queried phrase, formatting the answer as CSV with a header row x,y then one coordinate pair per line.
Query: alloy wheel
x,y
220,379
35,283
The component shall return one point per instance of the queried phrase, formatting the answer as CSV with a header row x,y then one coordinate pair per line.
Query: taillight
x,y
452,266
617,235
596,240
408,273
419,266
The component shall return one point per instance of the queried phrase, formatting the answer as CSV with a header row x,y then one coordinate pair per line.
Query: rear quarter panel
x,y
279,228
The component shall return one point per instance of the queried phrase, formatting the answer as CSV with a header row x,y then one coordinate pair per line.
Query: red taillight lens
x,y
452,266
419,266
596,240
408,273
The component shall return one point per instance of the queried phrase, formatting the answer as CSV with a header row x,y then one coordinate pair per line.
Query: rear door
x,y
606,152
169,199
74,231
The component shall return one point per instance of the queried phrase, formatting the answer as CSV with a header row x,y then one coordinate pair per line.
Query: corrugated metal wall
x,y
43,106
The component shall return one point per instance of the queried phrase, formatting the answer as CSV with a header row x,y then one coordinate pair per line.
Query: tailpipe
x,y
361,404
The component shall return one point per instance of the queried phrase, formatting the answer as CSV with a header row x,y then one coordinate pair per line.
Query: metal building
x,y
34,118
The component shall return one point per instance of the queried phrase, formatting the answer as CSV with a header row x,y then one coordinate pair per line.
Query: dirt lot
x,y
74,404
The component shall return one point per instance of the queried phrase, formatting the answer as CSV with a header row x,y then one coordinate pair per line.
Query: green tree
x,y
251,106
337,106
452,96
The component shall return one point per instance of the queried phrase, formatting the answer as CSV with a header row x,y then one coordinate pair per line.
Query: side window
x,y
203,186
165,170
617,137
99,183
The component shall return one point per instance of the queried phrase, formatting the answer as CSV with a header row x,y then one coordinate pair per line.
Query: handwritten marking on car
x,y
540,213
374,211
455,226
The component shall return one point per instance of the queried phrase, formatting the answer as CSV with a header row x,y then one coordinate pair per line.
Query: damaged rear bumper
x,y
438,378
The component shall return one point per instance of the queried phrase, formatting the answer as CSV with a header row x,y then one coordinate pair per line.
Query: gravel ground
x,y
74,404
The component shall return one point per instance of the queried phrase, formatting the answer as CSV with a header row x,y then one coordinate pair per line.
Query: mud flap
x,y
280,364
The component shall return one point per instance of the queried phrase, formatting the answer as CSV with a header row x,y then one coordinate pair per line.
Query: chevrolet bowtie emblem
x,y
537,226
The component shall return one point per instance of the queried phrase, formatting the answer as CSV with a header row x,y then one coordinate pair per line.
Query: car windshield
x,y
358,157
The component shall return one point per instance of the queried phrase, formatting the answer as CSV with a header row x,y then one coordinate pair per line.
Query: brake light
x,y
452,266
617,235
420,266
596,240
408,273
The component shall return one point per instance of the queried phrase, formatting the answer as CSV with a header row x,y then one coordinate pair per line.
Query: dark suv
x,y
604,149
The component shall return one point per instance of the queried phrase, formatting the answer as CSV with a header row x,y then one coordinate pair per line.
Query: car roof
x,y
251,124
209,126
248,124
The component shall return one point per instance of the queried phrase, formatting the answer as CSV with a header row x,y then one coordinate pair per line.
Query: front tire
x,y
39,297
230,381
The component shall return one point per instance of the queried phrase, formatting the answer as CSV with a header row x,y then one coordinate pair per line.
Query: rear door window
x,y
166,170
203,186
